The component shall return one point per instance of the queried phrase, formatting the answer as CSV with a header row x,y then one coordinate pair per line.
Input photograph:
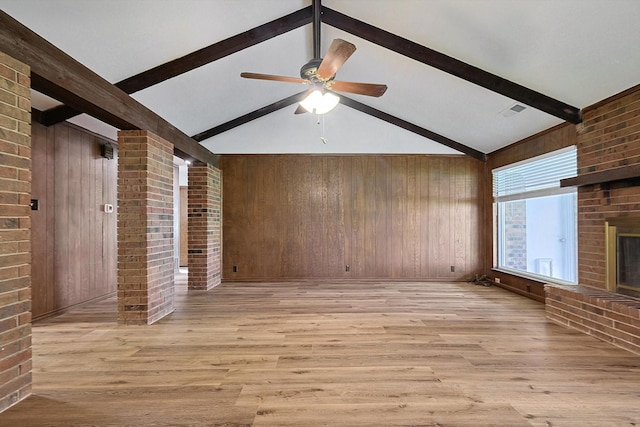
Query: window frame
x,y
498,223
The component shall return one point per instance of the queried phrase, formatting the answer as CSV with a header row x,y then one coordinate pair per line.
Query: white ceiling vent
x,y
514,109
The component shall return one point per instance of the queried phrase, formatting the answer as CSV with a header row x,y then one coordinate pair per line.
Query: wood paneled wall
x,y
73,240
385,216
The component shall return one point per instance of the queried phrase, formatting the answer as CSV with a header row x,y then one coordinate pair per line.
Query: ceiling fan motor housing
x,y
309,70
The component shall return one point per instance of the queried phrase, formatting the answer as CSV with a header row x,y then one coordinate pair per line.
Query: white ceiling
x,y
576,51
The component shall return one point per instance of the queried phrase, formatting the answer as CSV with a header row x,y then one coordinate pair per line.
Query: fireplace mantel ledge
x,y
610,175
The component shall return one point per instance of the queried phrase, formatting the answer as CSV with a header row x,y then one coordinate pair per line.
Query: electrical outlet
x,y
347,267
497,280
235,268
453,268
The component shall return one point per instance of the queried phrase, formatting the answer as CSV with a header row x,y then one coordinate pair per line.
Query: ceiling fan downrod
x,y
317,11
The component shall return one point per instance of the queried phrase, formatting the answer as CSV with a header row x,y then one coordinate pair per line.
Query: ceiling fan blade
x,y
336,56
369,89
273,77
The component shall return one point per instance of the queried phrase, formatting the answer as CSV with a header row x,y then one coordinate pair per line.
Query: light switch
x,y
108,208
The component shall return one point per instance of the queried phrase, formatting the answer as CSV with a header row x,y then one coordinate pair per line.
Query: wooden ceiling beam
x,y
413,128
239,121
451,65
210,133
216,51
195,59
58,75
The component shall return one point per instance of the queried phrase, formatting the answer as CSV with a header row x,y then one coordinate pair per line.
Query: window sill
x,y
534,277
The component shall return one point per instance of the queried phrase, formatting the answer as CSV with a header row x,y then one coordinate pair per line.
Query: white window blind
x,y
536,177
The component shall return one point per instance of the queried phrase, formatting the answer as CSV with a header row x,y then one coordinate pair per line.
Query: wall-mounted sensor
x,y
108,208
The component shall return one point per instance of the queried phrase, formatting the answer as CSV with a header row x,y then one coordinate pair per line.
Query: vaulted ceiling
x,y
454,68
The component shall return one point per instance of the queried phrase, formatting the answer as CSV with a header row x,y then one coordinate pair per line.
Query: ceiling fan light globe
x,y
320,103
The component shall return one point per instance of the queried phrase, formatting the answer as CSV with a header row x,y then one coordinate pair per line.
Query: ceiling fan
x,y
320,73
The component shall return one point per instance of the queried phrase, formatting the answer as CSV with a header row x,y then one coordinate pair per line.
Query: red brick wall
x,y
15,232
609,138
607,316
205,227
145,228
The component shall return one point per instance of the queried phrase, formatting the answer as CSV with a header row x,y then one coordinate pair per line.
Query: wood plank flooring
x,y
328,354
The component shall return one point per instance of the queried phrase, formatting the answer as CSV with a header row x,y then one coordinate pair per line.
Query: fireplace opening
x,y
623,255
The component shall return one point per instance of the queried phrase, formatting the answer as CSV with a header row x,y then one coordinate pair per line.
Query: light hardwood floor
x,y
328,354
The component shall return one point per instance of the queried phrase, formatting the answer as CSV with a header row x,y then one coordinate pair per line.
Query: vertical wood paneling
x,y
75,241
436,245
87,220
398,216
370,211
410,217
460,218
39,271
97,196
61,208
47,287
383,212
335,219
423,216
109,271
358,216
412,242
347,203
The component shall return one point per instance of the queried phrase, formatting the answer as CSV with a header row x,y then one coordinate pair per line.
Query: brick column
x,y
15,232
145,228
204,217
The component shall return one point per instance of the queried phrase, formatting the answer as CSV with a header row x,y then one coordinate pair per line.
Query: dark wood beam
x,y
267,109
58,114
451,65
413,128
36,115
195,59
216,51
58,75
349,103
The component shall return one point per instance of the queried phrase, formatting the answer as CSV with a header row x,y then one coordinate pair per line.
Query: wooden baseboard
x,y
72,307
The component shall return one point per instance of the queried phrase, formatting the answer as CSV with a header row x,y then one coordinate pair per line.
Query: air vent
x,y
107,151
514,109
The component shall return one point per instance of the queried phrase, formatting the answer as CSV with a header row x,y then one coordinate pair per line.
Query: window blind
x,y
535,177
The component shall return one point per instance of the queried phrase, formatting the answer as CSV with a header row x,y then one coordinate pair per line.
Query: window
x,y
536,218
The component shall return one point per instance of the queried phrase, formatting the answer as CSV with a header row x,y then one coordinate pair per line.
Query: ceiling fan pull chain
x,y
322,138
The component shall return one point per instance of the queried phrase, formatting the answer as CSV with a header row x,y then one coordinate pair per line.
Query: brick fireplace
x,y
608,220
